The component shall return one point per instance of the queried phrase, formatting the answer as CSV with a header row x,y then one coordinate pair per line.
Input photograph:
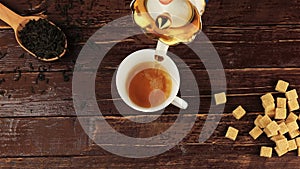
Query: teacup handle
x,y
180,103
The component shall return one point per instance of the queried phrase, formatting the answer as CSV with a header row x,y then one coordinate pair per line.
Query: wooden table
x,y
258,43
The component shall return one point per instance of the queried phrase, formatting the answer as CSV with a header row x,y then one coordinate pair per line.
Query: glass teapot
x,y
172,21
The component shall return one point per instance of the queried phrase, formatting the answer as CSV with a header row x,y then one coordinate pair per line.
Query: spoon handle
x,y
10,17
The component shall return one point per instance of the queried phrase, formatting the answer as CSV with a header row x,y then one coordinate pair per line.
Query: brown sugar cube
x,y
281,86
292,126
292,145
273,127
282,144
283,128
277,137
265,104
220,98
255,132
292,117
270,107
264,121
280,113
280,152
271,113
267,98
239,112
298,141
269,133
256,121
294,134
291,95
298,152
281,102
280,121
293,105
266,151
232,133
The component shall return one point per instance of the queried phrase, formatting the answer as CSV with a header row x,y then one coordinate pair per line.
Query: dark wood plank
x,y
238,47
32,7
54,98
222,12
60,142
248,12
26,98
177,158
57,136
24,136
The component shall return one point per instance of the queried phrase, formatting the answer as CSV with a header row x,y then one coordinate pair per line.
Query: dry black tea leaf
x,y
18,74
2,80
43,39
41,76
66,76
2,55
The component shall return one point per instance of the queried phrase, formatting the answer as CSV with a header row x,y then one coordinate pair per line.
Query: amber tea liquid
x,y
149,85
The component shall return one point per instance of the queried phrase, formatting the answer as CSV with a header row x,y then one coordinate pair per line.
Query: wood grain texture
x,y
177,158
232,43
258,44
30,96
66,145
222,12
55,136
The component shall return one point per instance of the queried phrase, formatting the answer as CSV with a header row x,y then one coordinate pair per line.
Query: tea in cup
x,y
148,85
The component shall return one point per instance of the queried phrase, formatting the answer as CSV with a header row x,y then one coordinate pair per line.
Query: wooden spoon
x,y
18,22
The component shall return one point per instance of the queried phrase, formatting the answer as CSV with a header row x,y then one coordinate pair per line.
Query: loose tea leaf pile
x,y
43,39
